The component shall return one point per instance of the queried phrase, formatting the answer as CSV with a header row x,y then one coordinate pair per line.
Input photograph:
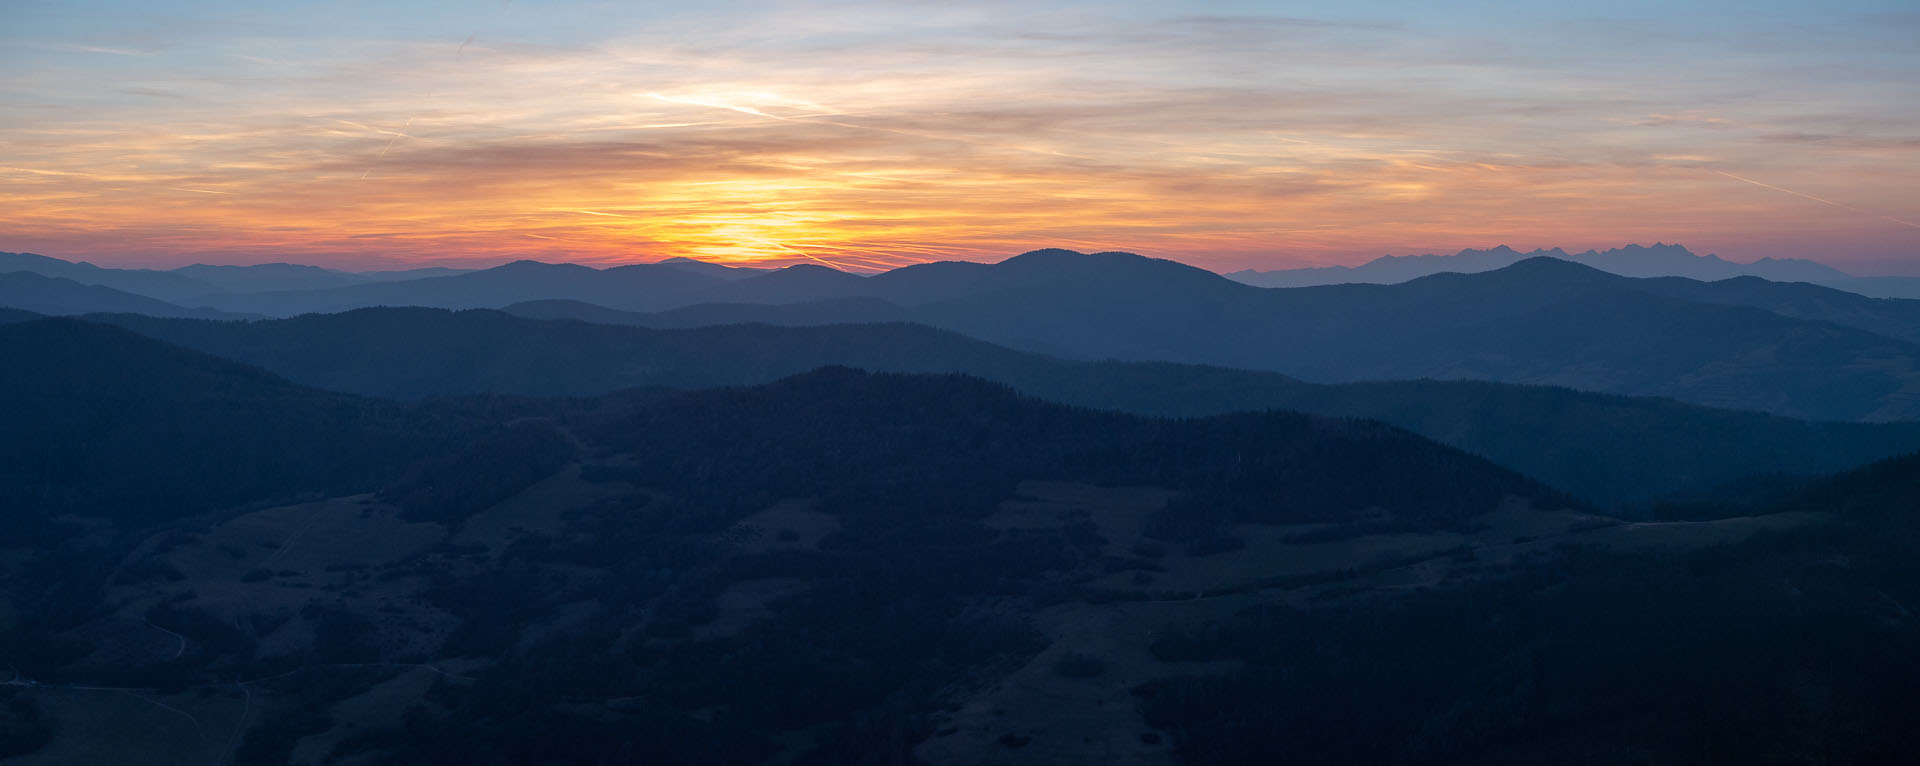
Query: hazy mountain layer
x,y
159,285
1797,350
59,296
1607,448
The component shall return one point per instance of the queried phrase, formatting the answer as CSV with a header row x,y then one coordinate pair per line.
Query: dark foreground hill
x,y
873,547
1709,657
1608,449
851,568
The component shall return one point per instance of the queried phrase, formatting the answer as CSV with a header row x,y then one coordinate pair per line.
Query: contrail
x,y
402,132
803,253
390,142
1841,205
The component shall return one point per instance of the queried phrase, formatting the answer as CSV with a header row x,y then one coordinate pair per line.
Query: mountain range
x,y
190,284
30,291
1609,449
1063,508
1656,260
301,289
1792,349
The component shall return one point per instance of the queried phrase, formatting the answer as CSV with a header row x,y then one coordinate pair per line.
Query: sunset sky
x,y
871,134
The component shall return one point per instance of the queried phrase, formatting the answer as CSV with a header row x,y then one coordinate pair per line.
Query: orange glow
x,y
409,153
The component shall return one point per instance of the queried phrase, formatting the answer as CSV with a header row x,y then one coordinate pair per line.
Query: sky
x,y
873,134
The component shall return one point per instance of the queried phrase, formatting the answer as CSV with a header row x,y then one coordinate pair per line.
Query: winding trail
x,y
182,649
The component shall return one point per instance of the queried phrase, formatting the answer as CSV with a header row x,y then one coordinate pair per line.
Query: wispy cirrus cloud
x,y
893,133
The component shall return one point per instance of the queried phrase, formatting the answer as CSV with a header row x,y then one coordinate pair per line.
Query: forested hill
x,y
409,353
104,422
903,443
1791,647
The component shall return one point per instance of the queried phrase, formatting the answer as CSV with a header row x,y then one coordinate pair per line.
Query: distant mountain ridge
x,y
55,296
1794,349
158,285
299,288
1656,260
188,285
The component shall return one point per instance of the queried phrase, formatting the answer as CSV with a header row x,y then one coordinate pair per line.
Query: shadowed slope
x,y
105,422
59,296
1605,448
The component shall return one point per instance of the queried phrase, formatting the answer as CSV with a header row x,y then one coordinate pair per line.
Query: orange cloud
x,y
1228,143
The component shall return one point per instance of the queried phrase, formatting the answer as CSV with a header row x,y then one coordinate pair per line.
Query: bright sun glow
x,y
757,134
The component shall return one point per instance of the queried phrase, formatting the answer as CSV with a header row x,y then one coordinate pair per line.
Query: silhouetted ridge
x,y
528,265
797,281
1061,263
1640,261
810,268
51,295
883,442
1046,254
11,315
1547,267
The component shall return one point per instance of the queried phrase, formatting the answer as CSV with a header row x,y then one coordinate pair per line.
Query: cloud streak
x,y
873,135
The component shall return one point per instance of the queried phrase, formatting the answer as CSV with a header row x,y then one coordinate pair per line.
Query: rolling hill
x,y
1610,449
158,285
59,296
642,287
188,285
106,423
1789,349
885,546
1796,350
939,569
